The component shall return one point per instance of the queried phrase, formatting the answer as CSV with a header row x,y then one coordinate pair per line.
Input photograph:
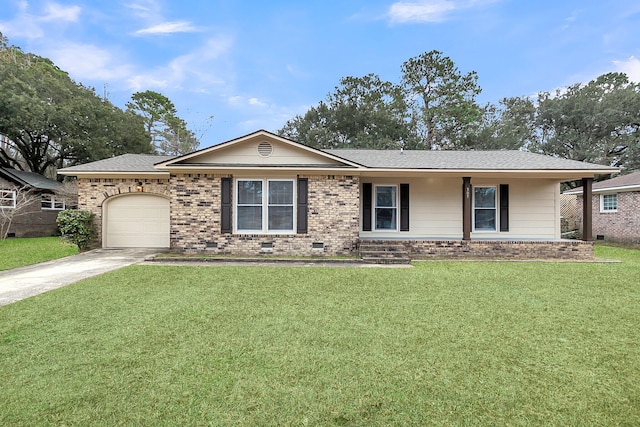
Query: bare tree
x,y
14,202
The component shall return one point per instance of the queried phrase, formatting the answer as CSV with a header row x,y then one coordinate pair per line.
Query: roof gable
x,y
259,149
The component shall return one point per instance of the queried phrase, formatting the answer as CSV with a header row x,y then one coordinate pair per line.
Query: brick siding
x,y
621,226
93,192
333,219
498,249
31,221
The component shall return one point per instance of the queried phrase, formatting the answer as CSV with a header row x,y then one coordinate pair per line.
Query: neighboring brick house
x,y
615,208
35,215
264,194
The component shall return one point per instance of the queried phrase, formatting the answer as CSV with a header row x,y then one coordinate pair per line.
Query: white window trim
x,y
495,208
375,207
265,207
51,201
8,195
602,209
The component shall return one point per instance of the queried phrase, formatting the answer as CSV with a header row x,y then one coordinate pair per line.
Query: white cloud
x,y
58,12
168,27
194,71
423,11
631,67
32,26
87,62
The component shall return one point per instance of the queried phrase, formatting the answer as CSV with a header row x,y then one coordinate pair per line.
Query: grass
x,y
444,343
26,251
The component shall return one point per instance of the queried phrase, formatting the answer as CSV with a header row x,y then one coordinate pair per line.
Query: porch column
x,y
587,211
466,208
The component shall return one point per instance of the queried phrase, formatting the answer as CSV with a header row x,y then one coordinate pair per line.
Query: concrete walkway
x,y
24,282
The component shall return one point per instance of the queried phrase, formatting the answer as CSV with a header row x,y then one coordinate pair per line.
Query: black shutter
x,y
225,223
504,207
367,191
303,205
404,207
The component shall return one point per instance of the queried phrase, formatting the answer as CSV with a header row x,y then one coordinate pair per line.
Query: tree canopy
x,y
431,108
50,121
169,133
434,107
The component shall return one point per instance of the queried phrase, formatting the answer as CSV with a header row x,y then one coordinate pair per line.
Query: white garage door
x,y
136,221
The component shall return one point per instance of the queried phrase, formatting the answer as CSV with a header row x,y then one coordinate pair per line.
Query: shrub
x,y
77,227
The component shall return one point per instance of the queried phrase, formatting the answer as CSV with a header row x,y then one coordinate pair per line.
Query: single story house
x,y
615,208
30,200
262,193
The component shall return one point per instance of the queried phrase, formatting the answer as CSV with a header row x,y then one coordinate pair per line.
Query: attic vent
x,y
265,149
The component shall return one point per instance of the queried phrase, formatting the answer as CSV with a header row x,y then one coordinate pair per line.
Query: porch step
x,y
380,252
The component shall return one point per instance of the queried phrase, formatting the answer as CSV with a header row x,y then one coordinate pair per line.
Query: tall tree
x,y
442,99
169,133
597,122
50,121
510,125
362,112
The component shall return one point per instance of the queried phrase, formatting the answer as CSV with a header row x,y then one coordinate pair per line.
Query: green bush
x,y
77,227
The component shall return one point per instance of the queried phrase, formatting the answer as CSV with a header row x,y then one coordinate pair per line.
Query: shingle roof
x,y
123,163
477,160
30,179
381,159
630,180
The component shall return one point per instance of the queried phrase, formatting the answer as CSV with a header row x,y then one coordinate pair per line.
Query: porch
x,y
391,251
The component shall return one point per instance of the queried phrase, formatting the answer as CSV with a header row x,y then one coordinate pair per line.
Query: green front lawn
x,y
444,343
26,251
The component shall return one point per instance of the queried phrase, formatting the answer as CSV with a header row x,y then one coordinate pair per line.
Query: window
x,y
609,203
49,203
484,208
386,207
265,211
7,199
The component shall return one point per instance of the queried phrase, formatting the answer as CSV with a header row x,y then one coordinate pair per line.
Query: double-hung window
x,y
609,203
7,199
484,208
386,207
49,203
264,206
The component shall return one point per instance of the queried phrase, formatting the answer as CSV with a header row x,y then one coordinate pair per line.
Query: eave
x,y
116,174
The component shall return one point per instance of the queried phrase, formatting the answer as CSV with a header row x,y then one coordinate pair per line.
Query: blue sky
x,y
255,64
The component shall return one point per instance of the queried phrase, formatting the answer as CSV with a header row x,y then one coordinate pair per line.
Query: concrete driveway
x,y
24,282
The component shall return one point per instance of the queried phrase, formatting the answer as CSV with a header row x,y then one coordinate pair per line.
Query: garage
x,y
136,221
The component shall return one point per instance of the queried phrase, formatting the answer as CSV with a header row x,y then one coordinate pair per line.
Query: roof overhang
x,y
116,174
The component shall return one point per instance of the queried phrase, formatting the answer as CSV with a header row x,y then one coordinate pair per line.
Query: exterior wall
x,y
31,220
621,226
435,206
93,192
498,249
333,203
247,153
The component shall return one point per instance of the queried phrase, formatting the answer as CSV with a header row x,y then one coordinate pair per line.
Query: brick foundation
x,y
497,249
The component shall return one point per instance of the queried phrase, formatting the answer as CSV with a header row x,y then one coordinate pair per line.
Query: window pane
x,y
485,219
281,218
249,218
250,192
385,196
281,192
386,218
485,197
610,202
